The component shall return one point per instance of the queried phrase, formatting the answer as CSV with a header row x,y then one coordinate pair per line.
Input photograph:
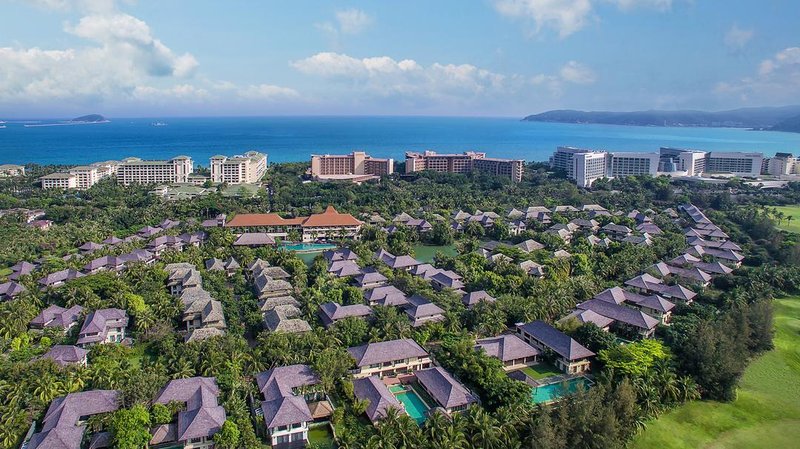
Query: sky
x,y
148,58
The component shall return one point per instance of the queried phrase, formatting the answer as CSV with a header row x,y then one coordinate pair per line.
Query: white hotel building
x,y
248,168
81,177
137,171
584,166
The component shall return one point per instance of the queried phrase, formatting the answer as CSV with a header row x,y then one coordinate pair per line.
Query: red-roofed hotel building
x,y
327,225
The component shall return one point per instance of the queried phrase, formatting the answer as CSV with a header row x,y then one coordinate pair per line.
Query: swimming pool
x,y
308,247
411,401
552,392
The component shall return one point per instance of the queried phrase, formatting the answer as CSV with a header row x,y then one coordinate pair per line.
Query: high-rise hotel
x,y
465,162
584,166
356,166
248,168
137,171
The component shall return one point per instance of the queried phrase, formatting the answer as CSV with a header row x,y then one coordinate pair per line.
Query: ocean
x,y
296,138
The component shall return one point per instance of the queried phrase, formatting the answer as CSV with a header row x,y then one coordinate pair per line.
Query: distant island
x,y
785,118
90,119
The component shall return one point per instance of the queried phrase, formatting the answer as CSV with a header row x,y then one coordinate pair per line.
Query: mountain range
x,y
783,118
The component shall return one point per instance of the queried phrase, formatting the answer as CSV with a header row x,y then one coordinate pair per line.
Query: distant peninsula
x,y
784,118
90,119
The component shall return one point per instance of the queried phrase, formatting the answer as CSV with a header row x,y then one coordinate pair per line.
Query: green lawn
x,y
5,272
541,371
766,413
792,225
425,253
320,437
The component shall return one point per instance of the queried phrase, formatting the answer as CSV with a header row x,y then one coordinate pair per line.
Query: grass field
x,y
766,413
542,370
794,224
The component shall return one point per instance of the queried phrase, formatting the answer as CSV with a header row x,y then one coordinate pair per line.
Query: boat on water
x,y
158,124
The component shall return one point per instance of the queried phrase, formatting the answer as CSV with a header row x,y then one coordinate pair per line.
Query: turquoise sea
x,y
296,138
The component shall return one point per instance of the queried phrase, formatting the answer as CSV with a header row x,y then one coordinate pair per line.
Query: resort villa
x,y
509,349
65,424
571,356
328,225
448,393
103,326
373,390
198,420
293,399
389,358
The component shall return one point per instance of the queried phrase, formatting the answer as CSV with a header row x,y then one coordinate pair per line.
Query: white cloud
x,y
127,38
660,5
267,92
353,21
566,16
737,38
122,62
575,72
776,80
444,85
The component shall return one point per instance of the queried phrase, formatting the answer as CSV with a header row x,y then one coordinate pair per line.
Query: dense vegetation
x,y
703,354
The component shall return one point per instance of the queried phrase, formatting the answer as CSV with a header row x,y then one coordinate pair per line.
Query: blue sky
x,y
415,57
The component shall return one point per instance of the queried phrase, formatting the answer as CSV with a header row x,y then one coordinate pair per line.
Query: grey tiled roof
x,y
204,332
472,298
422,311
65,354
369,276
285,411
265,284
100,321
254,239
388,295
556,340
282,380
588,316
56,316
447,391
270,303
203,416
343,268
330,312
215,264
449,279
60,429
339,254
380,399
507,347
60,276
11,289
282,319
386,351
530,245
273,272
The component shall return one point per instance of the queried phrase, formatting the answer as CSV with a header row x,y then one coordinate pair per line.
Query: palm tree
x,y
481,430
47,389
182,370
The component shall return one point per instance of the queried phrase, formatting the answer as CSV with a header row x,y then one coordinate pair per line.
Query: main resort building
x,y
248,168
327,225
137,171
584,166
356,166
466,162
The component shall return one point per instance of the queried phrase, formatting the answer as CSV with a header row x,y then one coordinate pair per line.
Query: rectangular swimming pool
x,y
554,391
308,247
412,403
